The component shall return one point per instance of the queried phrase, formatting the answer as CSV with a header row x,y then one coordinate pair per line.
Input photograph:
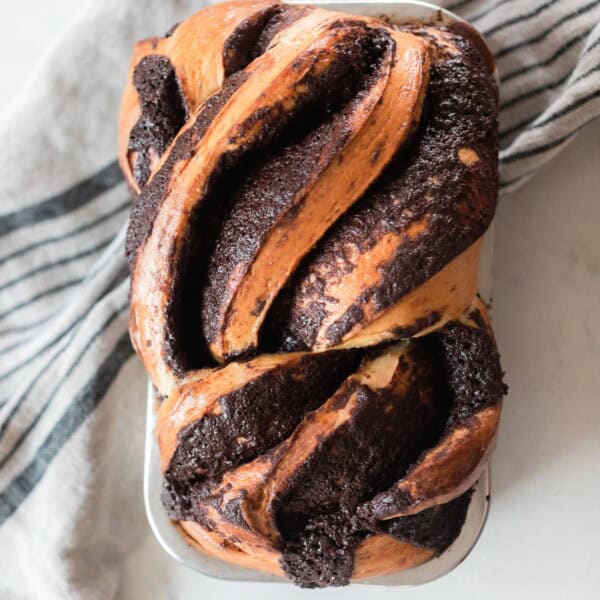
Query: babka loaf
x,y
310,193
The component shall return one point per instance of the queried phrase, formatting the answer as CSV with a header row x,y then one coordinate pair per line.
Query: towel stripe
x,y
44,406
544,34
461,4
535,92
593,46
25,327
59,340
74,197
62,342
554,116
61,238
82,406
118,250
488,11
567,109
37,297
56,263
15,368
561,51
545,88
519,18
587,73
112,262
39,354
16,403
544,147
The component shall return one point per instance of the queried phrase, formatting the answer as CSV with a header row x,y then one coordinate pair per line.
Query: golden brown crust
x,y
391,371
454,464
243,105
272,84
442,473
450,468
381,555
307,46
446,295
201,35
377,555
378,125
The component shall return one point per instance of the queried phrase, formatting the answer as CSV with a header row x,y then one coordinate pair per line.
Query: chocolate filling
x,y
471,364
162,104
163,112
282,18
268,186
428,181
145,209
318,515
251,38
323,555
246,193
384,436
434,528
252,420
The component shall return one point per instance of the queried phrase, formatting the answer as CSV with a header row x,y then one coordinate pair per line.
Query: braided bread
x,y
310,194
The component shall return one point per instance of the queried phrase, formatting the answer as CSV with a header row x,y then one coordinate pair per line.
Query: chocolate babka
x,y
310,193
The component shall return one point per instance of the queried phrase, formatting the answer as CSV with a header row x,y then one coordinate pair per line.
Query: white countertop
x,y
540,539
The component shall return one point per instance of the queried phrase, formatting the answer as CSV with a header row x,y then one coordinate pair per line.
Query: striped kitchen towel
x,y
71,392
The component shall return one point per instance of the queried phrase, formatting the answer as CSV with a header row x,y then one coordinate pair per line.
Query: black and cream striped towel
x,y
72,394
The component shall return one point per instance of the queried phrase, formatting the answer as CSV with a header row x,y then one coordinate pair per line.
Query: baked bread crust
x,y
311,189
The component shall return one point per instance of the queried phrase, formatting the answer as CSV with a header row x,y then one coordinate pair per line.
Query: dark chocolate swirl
x,y
311,190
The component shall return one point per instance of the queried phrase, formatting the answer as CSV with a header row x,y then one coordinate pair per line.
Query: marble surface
x,y
540,539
